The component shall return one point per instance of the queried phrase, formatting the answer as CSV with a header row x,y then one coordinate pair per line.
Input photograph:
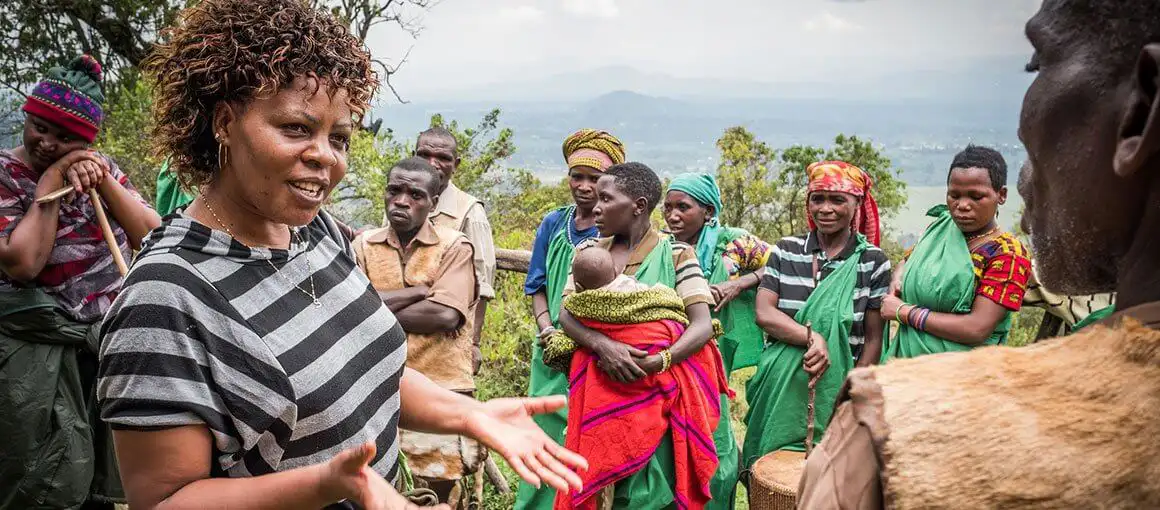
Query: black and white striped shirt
x,y
206,332
789,274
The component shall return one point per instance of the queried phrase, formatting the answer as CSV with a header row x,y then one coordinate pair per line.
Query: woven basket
x,y
773,481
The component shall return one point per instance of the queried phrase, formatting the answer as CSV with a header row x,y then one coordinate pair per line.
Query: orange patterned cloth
x,y
1002,270
843,177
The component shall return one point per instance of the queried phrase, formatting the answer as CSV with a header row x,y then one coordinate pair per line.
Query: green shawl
x,y
939,275
742,343
169,193
778,392
543,380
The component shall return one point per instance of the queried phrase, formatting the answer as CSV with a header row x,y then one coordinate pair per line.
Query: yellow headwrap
x,y
593,148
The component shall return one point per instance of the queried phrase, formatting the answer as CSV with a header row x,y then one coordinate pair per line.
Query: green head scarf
x,y
703,188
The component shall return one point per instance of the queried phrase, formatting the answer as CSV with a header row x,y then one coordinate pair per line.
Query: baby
x,y
593,269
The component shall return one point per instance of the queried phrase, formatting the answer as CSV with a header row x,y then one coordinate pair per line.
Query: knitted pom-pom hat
x,y
71,98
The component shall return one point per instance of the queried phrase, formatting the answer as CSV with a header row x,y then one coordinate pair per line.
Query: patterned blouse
x,y
746,254
80,274
1002,269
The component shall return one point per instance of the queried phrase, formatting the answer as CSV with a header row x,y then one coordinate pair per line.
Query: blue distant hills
x,y
920,117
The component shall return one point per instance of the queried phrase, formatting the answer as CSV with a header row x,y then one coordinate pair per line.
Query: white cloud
x,y
521,14
829,23
754,40
592,8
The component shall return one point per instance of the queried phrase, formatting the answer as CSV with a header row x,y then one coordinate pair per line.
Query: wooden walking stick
x,y
110,239
54,195
810,402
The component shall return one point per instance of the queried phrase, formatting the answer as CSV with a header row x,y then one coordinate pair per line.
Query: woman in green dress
x,y
589,153
733,261
626,196
959,287
818,303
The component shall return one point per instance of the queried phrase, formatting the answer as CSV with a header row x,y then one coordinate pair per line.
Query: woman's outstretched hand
x,y
349,476
505,426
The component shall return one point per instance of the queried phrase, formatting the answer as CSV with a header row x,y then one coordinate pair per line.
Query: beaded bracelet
x,y
666,360
922,319
918,319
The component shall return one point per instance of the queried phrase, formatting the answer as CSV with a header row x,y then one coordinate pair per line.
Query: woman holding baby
x,y
626,195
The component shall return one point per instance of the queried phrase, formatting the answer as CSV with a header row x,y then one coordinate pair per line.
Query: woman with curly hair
x,y
248,363
57,278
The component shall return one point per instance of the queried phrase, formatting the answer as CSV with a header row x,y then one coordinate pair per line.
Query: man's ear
x,y
1002,195
1139,140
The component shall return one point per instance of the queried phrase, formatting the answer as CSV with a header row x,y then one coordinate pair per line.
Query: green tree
x,y
125,135
120,33
358,199
746,176
482,149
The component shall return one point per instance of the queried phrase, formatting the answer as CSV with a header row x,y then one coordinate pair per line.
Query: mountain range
x,y
920,117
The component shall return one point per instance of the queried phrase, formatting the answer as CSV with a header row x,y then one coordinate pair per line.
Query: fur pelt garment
x,y
1069,423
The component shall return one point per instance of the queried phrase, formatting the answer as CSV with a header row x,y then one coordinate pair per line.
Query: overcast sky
x,y
471,42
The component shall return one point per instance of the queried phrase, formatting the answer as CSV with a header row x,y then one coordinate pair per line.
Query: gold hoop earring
x,y
223,155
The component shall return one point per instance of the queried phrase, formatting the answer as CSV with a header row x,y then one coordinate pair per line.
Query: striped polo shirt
x,y
210,332
788,274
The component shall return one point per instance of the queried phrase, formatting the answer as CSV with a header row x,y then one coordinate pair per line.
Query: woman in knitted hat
x,y
57,278
588,153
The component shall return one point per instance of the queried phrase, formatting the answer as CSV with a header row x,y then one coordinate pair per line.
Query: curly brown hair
x,y
236,51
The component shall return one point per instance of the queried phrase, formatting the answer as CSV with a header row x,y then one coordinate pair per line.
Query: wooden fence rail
x,y
512,260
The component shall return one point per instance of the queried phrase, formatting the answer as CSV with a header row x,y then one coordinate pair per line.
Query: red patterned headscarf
x,y
843,177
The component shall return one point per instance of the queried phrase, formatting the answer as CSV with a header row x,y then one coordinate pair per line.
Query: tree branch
x,y
119,34
86,45
389,70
